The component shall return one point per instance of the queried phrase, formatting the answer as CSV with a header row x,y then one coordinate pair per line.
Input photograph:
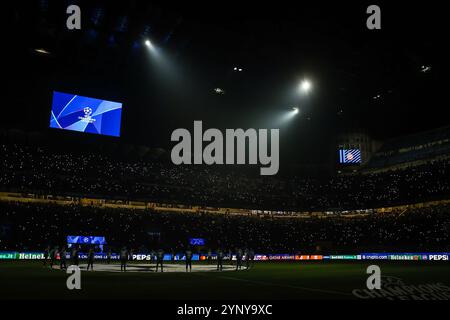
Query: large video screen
x,y
352,156
86,240
197,241
78,113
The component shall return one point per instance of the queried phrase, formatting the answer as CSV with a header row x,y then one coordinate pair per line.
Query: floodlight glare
x,y
219,91
41,51
288,115
305,86
148,44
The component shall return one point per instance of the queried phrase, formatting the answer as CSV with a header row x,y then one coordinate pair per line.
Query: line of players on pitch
x,y
246,256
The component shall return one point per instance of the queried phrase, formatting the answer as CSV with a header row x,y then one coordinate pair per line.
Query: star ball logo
x,y
87,112
87,115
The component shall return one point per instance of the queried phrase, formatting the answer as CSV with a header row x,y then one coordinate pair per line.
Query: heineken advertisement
x,y
427,256
436,256
10,255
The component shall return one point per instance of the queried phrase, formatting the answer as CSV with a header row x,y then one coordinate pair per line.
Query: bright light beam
x,y
305,86
149,44
42,51
288,115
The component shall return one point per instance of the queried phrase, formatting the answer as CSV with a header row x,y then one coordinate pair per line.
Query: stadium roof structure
x,y
416,139
199,49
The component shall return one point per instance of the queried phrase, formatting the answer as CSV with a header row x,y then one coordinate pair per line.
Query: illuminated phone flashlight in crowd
x,y
213,153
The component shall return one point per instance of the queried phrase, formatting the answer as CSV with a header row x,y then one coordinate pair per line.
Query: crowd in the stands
x,y
29,169
34,226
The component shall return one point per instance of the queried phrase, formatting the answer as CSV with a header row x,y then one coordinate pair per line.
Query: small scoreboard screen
x,y
197,241
350,156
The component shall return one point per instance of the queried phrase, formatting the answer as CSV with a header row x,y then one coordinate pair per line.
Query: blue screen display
x,y
197,242
78,113
350,156
85,240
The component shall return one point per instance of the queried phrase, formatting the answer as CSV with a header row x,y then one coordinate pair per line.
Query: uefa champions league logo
x,y
87,112
87,115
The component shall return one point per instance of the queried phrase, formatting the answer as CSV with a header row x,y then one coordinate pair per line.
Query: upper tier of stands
x,y
412,148
40,171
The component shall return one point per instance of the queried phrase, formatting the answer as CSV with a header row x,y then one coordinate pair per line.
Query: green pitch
x,y
266,280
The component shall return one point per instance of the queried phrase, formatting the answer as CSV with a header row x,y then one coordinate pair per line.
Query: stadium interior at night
x,y
85,152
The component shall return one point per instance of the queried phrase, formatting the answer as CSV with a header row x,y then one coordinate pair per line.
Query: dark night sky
x,y
276,45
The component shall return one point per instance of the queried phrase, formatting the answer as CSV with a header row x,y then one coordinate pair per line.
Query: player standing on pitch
x,y
74,256
172,256
219,259
209,256
46,253
247,258
130,255
238,258
123,259
188,255
90,259
108,256
251,258
62,259
53,256
159,259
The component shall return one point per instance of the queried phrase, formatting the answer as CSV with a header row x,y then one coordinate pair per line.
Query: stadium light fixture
x,y
425,69
149,44
287,115
305,86
42,51
219,91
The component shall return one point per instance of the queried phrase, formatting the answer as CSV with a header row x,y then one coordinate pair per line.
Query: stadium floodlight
x,y
305,86
219,91
149,44
42,51
287,115
425,69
